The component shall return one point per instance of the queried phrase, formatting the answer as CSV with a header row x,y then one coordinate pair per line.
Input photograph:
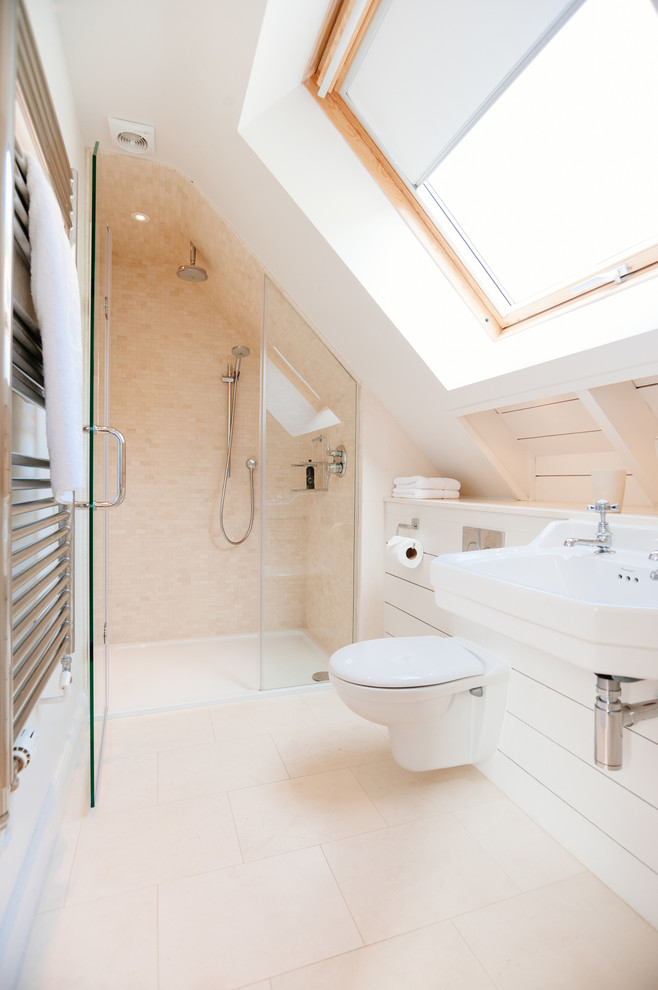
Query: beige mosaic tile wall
x,y
309,536
172,575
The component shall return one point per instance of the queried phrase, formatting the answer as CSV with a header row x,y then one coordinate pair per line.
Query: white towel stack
x,y
417,486
56,298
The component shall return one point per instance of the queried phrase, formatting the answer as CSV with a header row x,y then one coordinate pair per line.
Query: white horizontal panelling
x,y
619,813
440,525
567,474
549,420
531,403
613,864
569,443
417,575
563,489
571,725
399,623
566,442
410,598
565,463
560,488
436,532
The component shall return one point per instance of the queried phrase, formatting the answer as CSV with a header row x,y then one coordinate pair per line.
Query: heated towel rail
x,y
36,560
42,529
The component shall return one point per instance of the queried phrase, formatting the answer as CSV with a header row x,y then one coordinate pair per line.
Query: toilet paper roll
x,y
403,551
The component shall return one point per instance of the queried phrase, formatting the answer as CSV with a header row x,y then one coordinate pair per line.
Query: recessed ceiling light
x,y
140,217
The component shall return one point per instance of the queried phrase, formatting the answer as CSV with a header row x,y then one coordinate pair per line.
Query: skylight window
x,y
557,179
525,132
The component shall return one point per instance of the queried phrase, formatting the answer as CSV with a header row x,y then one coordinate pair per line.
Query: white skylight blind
x,y
451,61
574,192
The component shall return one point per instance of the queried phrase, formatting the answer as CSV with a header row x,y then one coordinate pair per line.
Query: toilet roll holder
x,y
414,525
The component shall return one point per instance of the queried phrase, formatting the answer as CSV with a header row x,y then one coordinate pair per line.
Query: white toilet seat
x,y
406,662
442,699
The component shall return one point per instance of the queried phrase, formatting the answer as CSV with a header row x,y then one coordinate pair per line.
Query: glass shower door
x,y
104,481
308,500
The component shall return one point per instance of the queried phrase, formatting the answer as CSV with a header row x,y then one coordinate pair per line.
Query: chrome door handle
x,y
121,469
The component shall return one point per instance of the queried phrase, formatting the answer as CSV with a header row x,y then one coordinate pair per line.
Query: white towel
x,y
425,493
418,481
56,297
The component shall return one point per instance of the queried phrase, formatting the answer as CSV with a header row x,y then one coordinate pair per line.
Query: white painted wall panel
x,y
417,575
554,418
614,865
399,623
410,598
618,812
556,716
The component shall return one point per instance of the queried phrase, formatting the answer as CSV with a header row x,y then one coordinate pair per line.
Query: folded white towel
x,y
56,297
425,493
418,481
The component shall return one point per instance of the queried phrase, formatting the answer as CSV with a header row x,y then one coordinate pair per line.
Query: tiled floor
x,y
272,844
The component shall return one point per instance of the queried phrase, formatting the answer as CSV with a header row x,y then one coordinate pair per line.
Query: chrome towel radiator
x,y
41,577
36,562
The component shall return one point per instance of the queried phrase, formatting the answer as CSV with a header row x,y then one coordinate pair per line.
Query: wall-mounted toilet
x,y
443,699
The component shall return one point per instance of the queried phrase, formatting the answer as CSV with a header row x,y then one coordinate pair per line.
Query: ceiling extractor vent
x,y
138,139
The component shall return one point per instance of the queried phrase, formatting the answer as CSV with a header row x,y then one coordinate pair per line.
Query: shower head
x,y
240,351
192,272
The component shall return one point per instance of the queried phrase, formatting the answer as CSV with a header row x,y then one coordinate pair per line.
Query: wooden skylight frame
x,y
326,91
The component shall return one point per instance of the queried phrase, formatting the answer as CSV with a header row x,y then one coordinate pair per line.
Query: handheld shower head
x,y
238,353
192,272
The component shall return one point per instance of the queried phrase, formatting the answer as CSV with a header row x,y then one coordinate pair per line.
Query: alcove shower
x,y
213,579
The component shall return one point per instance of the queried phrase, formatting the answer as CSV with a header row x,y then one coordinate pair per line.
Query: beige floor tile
x,y
329,747
328,708
433,958
411,875
136,735
524,850
77,801
245,923
246,718
292,814
127,784
575,933
403,796
55,885
137,849
104,945
221,766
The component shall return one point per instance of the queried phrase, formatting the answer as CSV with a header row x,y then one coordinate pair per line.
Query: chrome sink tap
x,y
603,538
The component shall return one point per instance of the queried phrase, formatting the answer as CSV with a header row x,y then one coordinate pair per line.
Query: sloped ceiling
x,y
185,68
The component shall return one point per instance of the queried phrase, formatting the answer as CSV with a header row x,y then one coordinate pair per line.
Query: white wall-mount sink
x,y
598,611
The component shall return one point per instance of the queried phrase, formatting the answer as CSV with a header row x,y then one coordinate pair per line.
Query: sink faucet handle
x,y
653,555
604,506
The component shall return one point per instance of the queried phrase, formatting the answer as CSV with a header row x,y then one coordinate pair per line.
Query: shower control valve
x,y
339,456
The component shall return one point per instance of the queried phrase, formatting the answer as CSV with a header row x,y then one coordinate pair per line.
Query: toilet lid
x,y
406,661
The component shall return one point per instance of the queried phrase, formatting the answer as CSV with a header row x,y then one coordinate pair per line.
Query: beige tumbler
x,y
609,484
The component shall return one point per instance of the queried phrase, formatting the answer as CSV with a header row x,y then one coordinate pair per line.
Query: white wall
x,y
544,762
386,452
